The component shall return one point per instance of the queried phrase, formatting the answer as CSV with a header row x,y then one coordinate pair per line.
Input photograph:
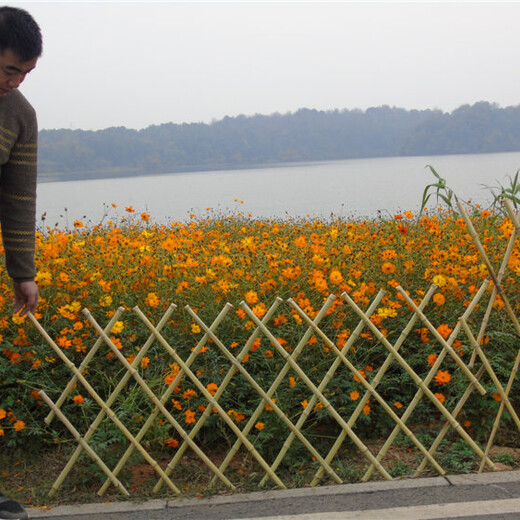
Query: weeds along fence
x,y
332,407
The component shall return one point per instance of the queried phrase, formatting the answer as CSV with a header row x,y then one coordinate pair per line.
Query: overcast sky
x,y
135,64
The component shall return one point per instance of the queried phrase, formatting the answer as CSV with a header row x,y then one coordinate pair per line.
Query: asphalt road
x,y
477,497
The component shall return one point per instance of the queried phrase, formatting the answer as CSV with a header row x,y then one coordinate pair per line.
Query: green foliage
x,y
505,458
443,192
510,192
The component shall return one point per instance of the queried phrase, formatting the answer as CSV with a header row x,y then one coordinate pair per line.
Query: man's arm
x,y
19,132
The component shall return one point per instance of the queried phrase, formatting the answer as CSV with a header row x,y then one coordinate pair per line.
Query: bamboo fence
x,y
243,435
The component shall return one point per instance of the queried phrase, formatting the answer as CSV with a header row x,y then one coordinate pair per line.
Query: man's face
x,y
13,71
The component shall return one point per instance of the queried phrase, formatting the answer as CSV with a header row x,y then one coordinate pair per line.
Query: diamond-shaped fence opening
x,y
285,400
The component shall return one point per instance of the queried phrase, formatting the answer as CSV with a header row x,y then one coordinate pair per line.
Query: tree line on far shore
x,y
301,136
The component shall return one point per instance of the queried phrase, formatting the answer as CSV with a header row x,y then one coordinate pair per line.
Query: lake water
x,y
356,188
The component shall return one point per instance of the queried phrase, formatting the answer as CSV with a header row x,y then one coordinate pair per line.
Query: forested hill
x,y
305,135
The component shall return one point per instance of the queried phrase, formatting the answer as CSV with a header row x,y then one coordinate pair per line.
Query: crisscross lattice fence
x,y
279,426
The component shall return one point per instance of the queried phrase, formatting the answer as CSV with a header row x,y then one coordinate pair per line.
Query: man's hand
x,y
25,297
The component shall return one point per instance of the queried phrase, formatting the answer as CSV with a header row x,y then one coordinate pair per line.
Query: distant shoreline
x,y
129,173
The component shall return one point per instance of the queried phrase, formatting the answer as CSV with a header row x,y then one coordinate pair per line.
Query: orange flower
x,y
442,377
152,300
78,399
259,425
439,299
354,395
440,397
366,408
336,277
190,416
145,217
251,298
497,396
388,268
398,404
444,330
432,358
268,406
19,426
189,394
172,443
362,374
212,388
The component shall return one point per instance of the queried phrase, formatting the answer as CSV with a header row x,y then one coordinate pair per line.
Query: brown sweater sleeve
x,y
18,163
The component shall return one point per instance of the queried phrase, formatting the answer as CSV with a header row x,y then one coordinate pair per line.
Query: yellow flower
x,y
105,301
195,328
439,280
118,327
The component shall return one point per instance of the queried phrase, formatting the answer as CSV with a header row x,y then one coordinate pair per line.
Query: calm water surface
x,y
352,188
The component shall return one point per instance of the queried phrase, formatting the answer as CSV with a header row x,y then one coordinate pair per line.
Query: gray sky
x,y
135,64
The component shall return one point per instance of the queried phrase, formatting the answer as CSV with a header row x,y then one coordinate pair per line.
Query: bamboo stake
x,y
491,372
210,398
164,398
227,379
377,378
92,454
326,404
513,317
485,258
267,399
417,380
113,396
295,430
154,399
83,366
450,350
370,389
428,379
328,377
460,405
494,293
95,395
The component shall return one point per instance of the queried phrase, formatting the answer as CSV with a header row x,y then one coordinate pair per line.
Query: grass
x,y
29,476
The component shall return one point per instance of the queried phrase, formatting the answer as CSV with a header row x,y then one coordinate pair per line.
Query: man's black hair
x,y
20,33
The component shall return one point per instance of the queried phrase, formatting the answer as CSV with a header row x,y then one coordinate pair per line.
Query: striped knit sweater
x,y
18,158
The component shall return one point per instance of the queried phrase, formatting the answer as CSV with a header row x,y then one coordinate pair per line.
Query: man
x,y
20,48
